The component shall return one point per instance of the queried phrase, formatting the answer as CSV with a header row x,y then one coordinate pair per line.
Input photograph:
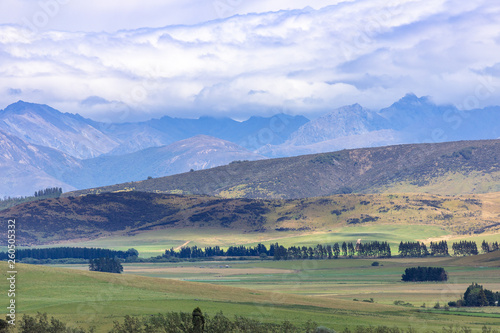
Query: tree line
x,y
70,252
49,192
219,323
279,252
373,249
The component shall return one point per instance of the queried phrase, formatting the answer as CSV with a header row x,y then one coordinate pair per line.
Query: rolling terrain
x,y
449,168
333,293
132,213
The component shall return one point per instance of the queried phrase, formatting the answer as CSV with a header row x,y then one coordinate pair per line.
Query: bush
x,y
375,263
418,274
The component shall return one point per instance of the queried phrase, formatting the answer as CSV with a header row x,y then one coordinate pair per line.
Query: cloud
x,y
14,91
93,101
303,60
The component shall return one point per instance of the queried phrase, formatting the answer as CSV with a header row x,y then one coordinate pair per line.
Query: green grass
x,y
155,243
320,290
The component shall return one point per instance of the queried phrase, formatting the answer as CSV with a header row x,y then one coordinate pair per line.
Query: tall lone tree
x,y
198,321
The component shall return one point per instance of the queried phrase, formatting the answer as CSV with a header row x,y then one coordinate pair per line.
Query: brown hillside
x,y
450,168
127,213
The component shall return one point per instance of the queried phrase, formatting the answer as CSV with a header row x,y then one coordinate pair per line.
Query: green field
x,y
156,242
320,290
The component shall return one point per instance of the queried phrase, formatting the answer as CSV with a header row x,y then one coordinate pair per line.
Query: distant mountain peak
x,y
414,100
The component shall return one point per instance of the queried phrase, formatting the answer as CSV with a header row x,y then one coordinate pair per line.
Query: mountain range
x,y
77,153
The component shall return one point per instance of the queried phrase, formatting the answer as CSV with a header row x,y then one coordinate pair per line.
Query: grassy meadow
x,y
320,290
154,243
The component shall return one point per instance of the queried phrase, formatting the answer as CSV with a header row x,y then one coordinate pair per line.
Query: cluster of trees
x,y
476,295
53,192
108,265
413,249
279,252
418,274
70,252
50,192
489,247
465,248
439,248
462,248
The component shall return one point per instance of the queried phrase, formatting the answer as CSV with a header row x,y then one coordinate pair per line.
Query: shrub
x,y
418,274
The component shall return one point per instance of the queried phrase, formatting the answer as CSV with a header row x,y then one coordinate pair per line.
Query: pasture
x,y
154,243
334,293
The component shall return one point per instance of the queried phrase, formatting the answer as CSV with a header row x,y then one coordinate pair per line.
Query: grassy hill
x,y
128,214
451,168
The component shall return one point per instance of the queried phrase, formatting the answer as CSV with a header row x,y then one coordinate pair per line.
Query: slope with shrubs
x,y
442,168
130,213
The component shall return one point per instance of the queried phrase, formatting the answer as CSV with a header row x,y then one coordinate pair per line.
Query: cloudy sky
x,y
130,60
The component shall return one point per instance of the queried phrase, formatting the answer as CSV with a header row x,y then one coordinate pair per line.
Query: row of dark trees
x,y
70,252
373,249
462,248
413,249
439,248
418,274
489,247
465,248
49,192
279,252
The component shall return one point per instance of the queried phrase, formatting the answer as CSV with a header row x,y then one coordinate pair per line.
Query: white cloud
x,y
366,51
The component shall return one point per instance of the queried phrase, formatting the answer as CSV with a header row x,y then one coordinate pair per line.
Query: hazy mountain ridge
x,y
196,153
409,120
26,167
45,126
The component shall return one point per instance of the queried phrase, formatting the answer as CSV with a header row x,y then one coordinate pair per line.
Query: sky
x,y
133,60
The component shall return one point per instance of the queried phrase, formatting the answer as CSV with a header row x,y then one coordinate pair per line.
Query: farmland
x,y
333,293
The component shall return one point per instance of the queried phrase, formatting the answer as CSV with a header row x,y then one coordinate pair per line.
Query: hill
x,y
442,168
130,213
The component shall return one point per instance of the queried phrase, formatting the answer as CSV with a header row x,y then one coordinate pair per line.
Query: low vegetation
x,y
126,214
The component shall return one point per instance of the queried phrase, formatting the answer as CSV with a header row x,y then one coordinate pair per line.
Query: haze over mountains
x,y
42,147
